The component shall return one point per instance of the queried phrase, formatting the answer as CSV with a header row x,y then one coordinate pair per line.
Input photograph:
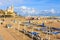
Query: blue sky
x,y
36,4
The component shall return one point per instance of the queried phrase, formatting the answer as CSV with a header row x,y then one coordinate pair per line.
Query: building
x,y
10,11
2,12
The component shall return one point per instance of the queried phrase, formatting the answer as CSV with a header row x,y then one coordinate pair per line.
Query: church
x,y
9,12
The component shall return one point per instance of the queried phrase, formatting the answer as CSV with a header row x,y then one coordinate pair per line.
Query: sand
x,y
13,34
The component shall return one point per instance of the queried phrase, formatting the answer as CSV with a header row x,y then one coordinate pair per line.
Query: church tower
x,y
10,11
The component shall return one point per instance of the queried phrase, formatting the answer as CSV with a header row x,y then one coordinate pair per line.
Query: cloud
x,y
11,2
1,3
23,7
53,11
27,10
33,11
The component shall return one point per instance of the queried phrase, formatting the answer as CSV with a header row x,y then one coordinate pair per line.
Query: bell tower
x,y
11,9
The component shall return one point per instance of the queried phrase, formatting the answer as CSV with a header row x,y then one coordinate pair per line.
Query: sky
x,y
33,7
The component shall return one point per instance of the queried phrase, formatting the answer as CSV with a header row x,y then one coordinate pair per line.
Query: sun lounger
x,y
41,29
33,35
47,32
58,29
36,38
42,25
50,32
23,31
38,29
